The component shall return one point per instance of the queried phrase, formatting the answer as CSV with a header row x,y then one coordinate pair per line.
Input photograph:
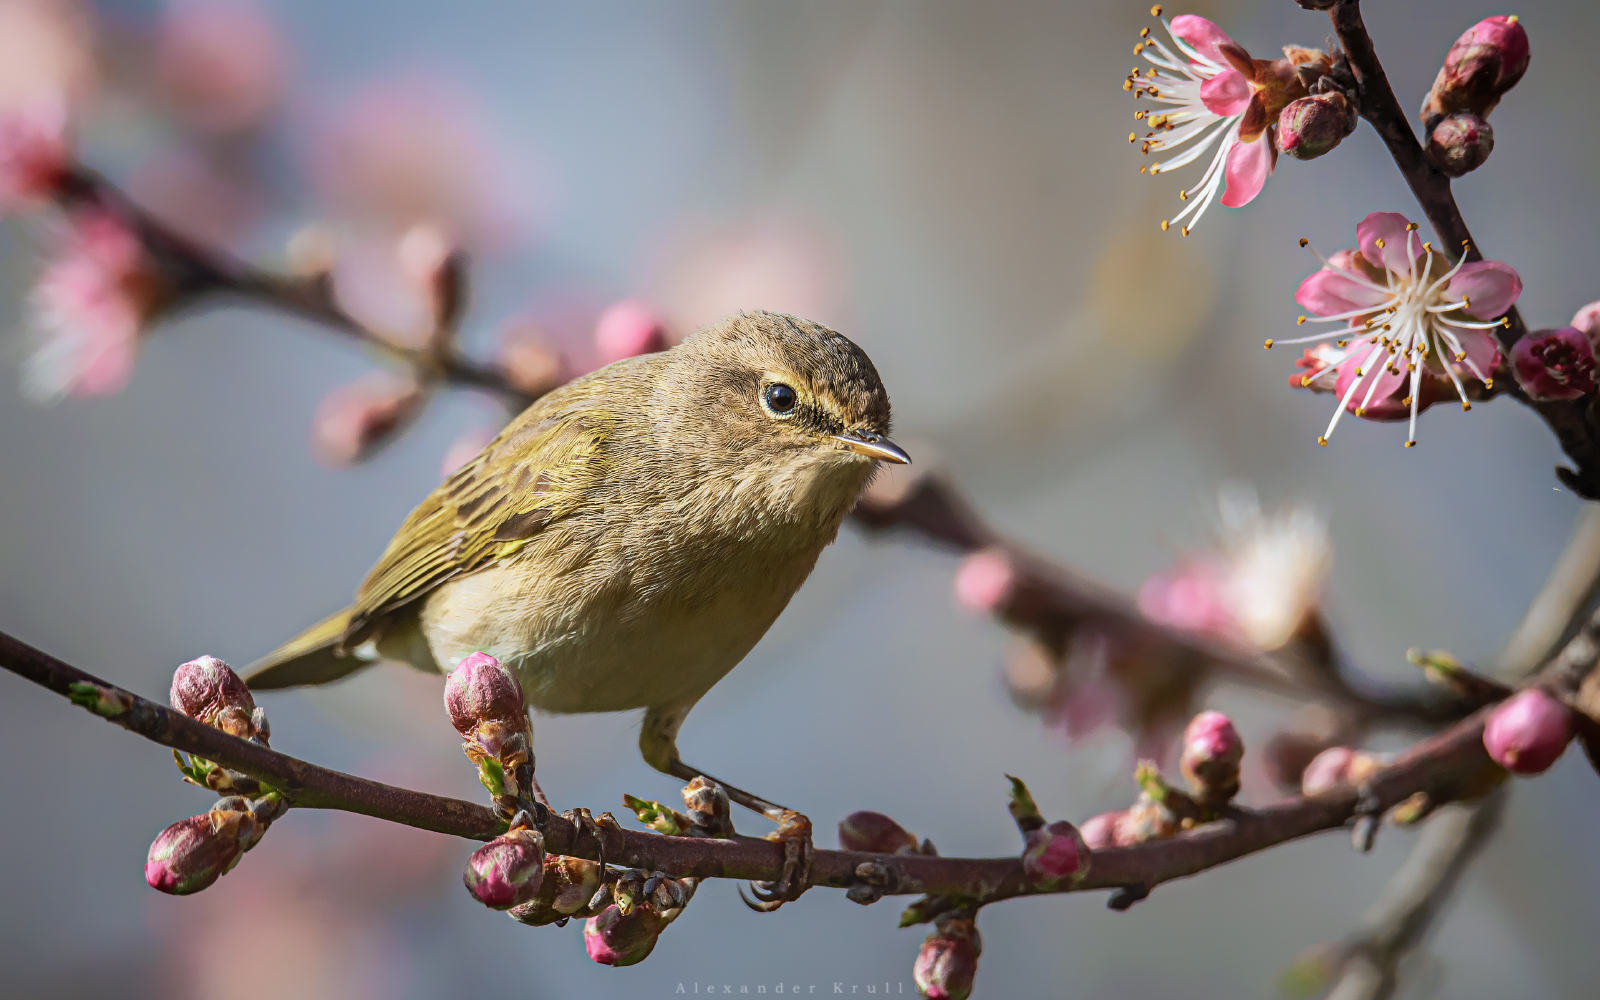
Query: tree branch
x,y
1569,419
1444,766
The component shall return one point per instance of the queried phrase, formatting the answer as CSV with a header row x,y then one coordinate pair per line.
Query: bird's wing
x,y
536,472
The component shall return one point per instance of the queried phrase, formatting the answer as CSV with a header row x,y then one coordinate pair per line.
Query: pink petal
x,y
1481,349
1391,387
1587,319
105,368
1226,94
1247,168
1491,286
1328,293
1202,36
1398,251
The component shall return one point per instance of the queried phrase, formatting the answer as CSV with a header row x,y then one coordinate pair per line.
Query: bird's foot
x,y
794,833
586,823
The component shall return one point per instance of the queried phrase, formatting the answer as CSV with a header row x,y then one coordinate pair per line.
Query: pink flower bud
x,y
508,870
615,938
564,890
1587,320
207,690
480,690
1055,852
1460,143
1528,731
985,581
1337,766
189,855
1311,126
1555,364
1212,751
874,832
355,419
1100,832
948,961
1484,63
628,329
34,157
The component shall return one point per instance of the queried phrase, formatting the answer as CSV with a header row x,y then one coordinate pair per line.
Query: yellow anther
x,y
1305,380
1465,405
1304,241
1466,302
1183,196
1300,322
1380,243
1361,411
1411,444
1138,116
1164,225
1505,321
1386,326
1133,137
1342,343
1411,366
1359,373
1406,401
1268,344
1154,92
1143,169
1411,227
1138,48
1322,441
1488,383
1186,230
1155,11
1127,85
1461,355
1428,247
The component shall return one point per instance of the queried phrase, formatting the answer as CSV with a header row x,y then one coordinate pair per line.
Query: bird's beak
x,y
874,446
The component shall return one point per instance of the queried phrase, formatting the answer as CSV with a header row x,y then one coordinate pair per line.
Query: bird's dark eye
x,y
781,399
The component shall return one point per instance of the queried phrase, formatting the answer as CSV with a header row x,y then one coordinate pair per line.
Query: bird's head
x,y
783,400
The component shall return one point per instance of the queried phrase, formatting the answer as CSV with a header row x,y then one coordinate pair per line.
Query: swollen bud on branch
x,y
948,961
1212,751
1337,766
616,938
1528,731
509,870
708,807
564,891
1055,854
1484,63
1460,143
875,833
207,690
189,856
1313,125
485,703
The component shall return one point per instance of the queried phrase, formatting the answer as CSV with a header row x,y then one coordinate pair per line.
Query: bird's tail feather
x,y
309,658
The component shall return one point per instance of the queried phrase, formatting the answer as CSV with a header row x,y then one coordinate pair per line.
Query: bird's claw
x,y
584,820
794,833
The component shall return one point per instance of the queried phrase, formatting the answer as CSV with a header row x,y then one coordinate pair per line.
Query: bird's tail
x,y
309,658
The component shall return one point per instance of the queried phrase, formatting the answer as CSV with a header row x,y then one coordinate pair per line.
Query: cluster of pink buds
x,y
1483,64
948,962
192,854
1210,761
1053,854
626,929
484,700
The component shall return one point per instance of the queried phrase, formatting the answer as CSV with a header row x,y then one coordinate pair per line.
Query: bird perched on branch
x,y
625,541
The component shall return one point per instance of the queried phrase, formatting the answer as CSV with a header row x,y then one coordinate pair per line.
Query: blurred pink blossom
x,y
410,150
191,194
628,329
529,358
1189,596
1555,364
356,418
46,54
90,304
464,449
705,272
392,284
220,63
34,156
984,581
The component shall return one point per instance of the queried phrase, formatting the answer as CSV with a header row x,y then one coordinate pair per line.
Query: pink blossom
x,y
1528,731
1211,93
1189,596
34,156
354,419
220,62
394,284
985,581
1555,364
1408,319
628,329
94,298
508,870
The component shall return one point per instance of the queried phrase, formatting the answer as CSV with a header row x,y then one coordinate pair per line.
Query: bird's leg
x,y
658,743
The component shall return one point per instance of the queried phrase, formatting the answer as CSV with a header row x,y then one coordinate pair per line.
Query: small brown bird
x,y
626,540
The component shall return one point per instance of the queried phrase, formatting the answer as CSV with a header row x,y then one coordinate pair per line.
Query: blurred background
x,y
948,184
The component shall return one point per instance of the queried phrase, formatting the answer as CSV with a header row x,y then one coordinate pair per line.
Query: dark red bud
x,y
1528,731
1460,143
189,856
616,938
207,690
1311,126
948,962
876,833
481,690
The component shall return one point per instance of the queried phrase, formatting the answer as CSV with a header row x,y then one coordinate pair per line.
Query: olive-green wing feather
x,y
308,658
536,472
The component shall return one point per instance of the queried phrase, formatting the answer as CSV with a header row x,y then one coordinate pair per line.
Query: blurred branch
x,y
1569,419
1446,766
1571,588
1396,923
